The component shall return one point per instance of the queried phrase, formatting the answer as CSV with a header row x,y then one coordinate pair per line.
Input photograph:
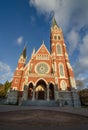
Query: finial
x,y
43,42
33,52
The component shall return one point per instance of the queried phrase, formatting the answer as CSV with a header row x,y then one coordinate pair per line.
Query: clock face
x,y
42,68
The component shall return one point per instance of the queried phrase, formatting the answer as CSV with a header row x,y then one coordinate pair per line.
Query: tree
x,y
83,94
2,91
7,86
4,88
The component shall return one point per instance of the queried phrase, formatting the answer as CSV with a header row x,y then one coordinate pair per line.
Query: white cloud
x,y
83,58
73,40
81,67
5,72
67,12
84,47
61,8
4,67
20,40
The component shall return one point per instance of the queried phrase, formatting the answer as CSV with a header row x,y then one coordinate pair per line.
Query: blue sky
x,y
29,21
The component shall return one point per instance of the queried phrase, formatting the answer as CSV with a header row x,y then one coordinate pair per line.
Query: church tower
x,y
18,74
48,76
62,69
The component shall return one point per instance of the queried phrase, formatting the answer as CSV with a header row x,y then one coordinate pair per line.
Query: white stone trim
x,y
69,66
73,83
63,85
51,82
14,88
42,57
53,44
31,82
41,79
56,80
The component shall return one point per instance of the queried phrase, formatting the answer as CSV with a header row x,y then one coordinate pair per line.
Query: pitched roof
x,y
43,50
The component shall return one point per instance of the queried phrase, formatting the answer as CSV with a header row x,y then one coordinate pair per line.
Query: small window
x,y
55,37
58,37
18,73
16,80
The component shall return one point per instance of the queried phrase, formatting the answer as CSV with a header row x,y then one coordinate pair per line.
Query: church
x,y
48,76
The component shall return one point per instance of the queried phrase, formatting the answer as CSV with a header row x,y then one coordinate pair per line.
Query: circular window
x,y
42,68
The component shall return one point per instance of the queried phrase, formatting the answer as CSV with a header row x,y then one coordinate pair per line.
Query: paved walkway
x,y
78,111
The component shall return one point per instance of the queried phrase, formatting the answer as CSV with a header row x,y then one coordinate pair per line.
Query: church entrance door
x,y
40,91
41,95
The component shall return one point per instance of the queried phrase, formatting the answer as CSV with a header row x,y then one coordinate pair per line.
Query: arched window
x,y
58,37
58,49
55,37
63,85
61,70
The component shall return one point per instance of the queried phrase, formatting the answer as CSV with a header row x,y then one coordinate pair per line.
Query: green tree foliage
x,y
2,91
83,94
4,88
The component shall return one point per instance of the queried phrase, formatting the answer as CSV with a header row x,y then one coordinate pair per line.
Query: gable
x,y
42,50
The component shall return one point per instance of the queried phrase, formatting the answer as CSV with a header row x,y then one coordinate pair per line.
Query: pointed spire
x,y
24,52
54,22
33,52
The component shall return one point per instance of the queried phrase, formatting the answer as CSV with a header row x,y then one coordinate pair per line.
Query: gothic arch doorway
x,y
30,91
51,91
40,90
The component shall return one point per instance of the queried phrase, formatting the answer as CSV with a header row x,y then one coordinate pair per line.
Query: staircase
x,y
51,103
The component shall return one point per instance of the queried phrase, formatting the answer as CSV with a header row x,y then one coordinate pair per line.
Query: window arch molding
x,y
61,70
63,85
58,49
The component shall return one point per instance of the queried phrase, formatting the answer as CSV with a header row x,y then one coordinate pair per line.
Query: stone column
x,y
56,92
25,93
48,92
33,96
37,95
45,93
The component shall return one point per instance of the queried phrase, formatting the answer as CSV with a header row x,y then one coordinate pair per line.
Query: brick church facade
x,y
47,75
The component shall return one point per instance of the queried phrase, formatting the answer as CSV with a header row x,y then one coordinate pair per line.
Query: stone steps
x,y
39,103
